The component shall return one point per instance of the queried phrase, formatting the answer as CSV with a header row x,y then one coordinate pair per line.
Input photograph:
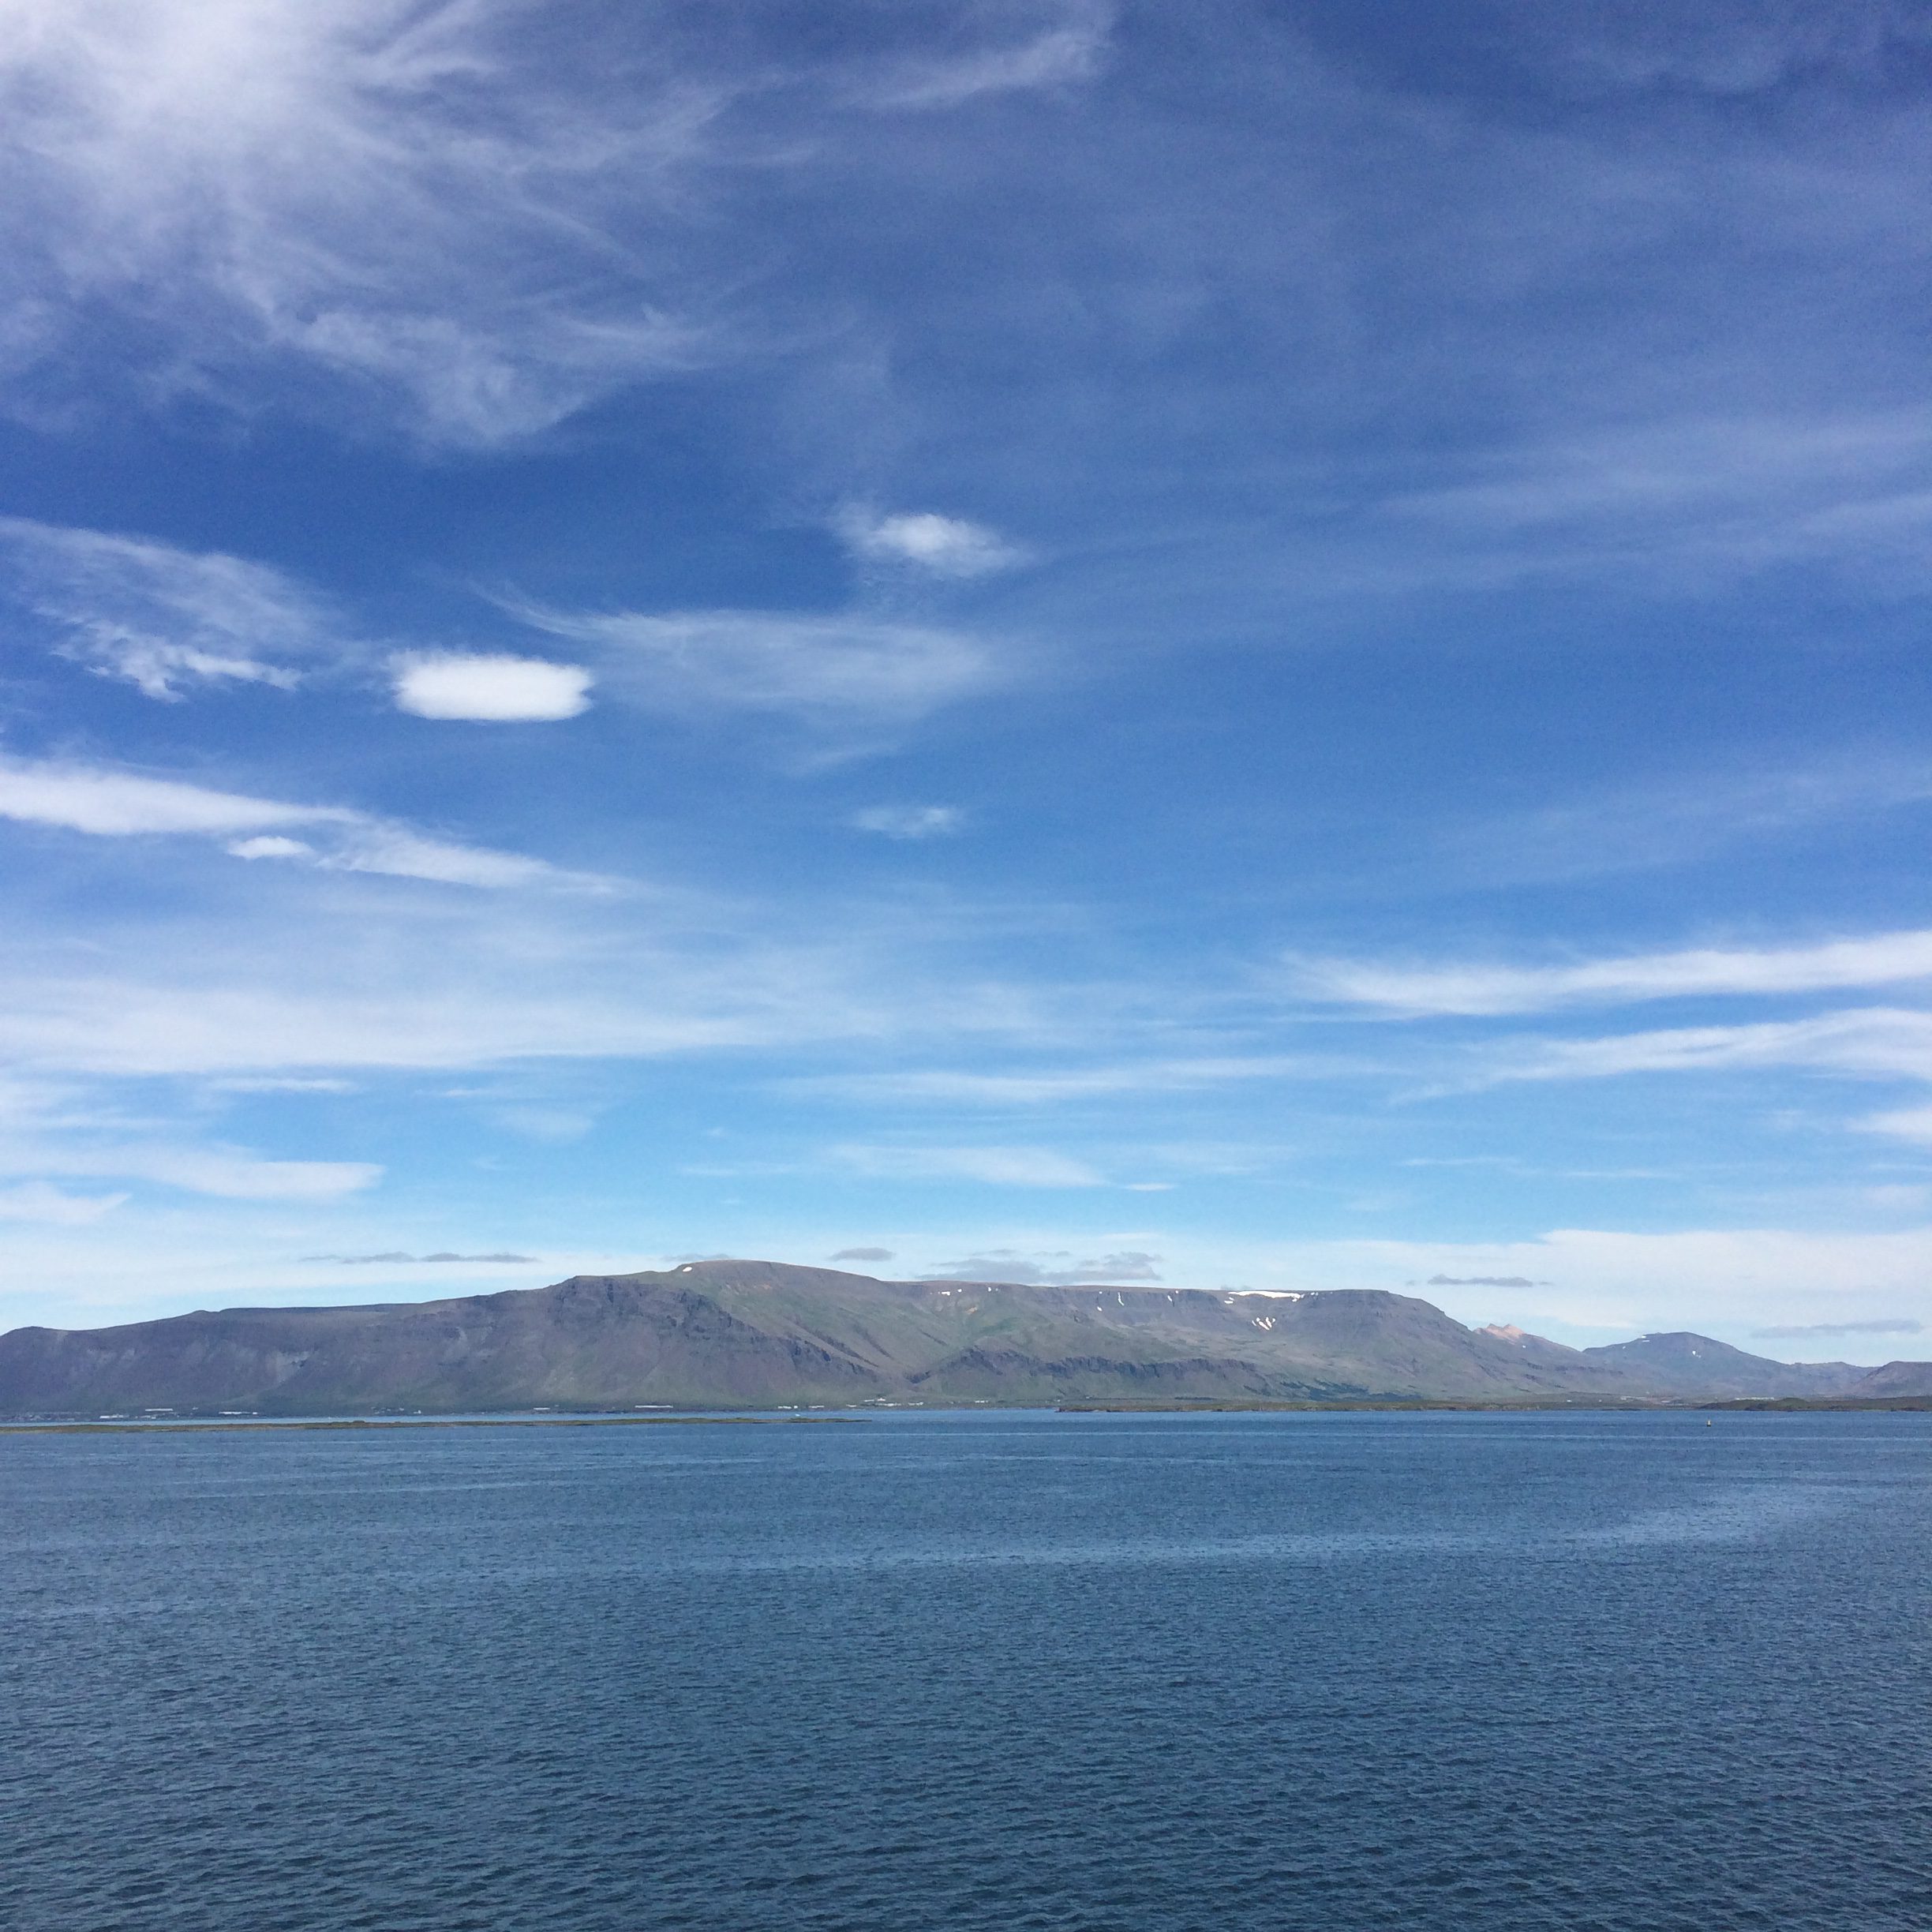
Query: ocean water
x,y
999,1671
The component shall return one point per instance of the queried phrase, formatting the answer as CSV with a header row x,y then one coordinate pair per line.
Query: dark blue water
x,y
1324,1672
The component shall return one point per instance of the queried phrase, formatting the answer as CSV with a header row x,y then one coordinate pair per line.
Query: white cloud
x,y
947,546
1065,54
229,1173
479,223
398,1257
909,822
1879,959
1056,1268
1881,1325
159,618
37,1201
271,846
442,981
1041,1086
1658,824
490,688
403,854
392,191
110,803
1724,496
555,1125
270,1084
121,804
1882,1042
839,672
1904,1123
996,1167
235,1176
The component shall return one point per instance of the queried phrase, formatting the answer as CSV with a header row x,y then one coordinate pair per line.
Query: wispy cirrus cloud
x,y
381,189
436,980
1043,1086
63,1130
996,1166
110,803
841,673
162,619
910,823
230,1173
1067,49
1878,959
36,1200
1058,1268
1866,1043
70,1150
1881,1043
1884,1325
396,1257
476,221
1693,499
1913,1123
945,546
1681,819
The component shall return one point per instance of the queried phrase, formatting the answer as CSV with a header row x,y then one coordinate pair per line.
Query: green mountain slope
x,y
728,1333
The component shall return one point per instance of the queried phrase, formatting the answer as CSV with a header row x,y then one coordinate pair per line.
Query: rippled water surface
x,y
1297,1671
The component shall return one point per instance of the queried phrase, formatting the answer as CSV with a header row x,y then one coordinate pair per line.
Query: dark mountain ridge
x,y
1897,1378
1684,1364
759,1334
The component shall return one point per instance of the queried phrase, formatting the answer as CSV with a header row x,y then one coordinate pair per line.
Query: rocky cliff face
x,y
729,1333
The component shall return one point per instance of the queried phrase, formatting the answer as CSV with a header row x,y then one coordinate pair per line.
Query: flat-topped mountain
x,y
732,1334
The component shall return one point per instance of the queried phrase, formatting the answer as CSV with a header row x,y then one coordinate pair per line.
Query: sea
x,y
1643,1672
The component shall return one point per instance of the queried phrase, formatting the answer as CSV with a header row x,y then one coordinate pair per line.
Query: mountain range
x,y
725,1333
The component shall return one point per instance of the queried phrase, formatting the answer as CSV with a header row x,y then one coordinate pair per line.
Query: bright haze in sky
x,y
1265,643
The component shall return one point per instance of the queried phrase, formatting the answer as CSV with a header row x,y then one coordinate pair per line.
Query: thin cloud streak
x,y
1066,54
37,1202
925,540
396,1257
162,619
119,804
376,188
1881,960
1046,1087
1885,1325
1884,1042
470,225
910,823
995,1166
836,673
227,1173
1057,1268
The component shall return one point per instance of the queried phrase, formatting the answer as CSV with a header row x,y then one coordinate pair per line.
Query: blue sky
x,y
1260,643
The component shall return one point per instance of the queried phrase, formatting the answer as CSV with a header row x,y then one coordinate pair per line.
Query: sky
x,y
1258,643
